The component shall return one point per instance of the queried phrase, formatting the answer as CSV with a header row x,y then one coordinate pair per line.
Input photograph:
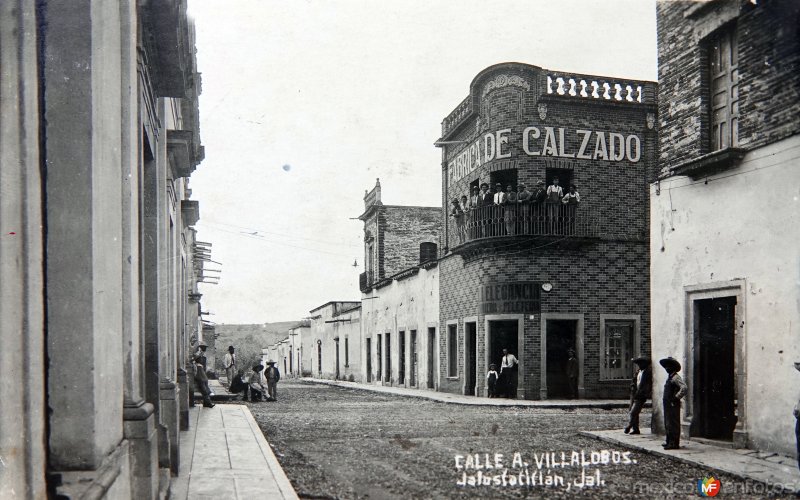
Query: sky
x,y
305,103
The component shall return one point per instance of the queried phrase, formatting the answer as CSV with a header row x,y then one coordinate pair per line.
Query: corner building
x,y
540,280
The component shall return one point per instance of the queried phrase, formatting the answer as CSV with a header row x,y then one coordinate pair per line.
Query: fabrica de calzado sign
x,y
547,142
510,298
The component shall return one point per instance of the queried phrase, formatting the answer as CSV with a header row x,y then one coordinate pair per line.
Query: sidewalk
x,y
445,397
225,455
768,468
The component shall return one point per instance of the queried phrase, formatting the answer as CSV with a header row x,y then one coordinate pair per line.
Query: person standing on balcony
x,y
458,216
509,202
571,201
465,207
538,197
476,200
484,218
523,209
553,201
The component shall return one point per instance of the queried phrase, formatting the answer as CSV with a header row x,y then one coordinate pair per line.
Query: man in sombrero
x,y
674,391
641,388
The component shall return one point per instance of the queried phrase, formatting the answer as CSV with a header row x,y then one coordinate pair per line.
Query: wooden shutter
x,y
724,80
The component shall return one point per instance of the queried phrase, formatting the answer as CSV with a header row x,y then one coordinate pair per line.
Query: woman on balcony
x,y
458,216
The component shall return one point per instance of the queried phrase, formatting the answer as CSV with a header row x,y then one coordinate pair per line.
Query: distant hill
x,y
265,333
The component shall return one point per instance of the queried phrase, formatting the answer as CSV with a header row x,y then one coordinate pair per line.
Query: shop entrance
x,y
560,339
471,358
503,334
714,368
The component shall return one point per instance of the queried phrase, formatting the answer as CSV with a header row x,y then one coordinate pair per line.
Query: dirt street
x,y
343,443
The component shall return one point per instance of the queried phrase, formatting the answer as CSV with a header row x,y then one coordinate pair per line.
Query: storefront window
x,y
618,349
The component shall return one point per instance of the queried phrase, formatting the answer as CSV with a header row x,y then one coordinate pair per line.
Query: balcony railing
x,y
522,219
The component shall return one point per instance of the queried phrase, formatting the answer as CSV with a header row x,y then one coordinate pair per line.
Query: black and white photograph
x,y
400,249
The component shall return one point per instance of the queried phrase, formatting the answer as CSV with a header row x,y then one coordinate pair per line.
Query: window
x,y
452,350
427,252
346,351
618,349
401,353
723,57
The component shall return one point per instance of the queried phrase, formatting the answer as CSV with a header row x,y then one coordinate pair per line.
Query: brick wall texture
x,y
769,73
605,275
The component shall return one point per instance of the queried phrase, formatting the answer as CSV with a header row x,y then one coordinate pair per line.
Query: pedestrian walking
x,y
674,391
238,385
508,374
230,365
257,389
573,371
273,376
491,380
201,381
641,388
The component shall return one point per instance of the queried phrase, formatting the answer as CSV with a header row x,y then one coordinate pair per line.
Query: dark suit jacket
x,y
645,389
488,198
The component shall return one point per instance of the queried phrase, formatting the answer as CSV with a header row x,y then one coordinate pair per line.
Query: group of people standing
x,y
251,387
515,211
674,391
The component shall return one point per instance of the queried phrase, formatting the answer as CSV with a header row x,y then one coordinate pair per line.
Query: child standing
x,y
491,380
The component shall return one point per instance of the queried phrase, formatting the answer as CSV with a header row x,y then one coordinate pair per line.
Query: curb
x,y
679,458
485,402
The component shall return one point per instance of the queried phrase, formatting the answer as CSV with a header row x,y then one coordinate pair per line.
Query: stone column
x,y
84,242
22,418
138,415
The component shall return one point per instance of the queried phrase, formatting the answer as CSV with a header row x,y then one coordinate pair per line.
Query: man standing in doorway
x,y
230,365
674,391
508,373
573,370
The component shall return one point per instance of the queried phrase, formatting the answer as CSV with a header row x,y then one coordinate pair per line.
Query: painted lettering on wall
x,y
509,298
547,142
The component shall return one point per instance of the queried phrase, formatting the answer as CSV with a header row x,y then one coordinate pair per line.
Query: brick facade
x,y
769,73
393,235
600,277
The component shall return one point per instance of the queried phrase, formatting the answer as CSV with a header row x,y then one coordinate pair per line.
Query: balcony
x,y
521,222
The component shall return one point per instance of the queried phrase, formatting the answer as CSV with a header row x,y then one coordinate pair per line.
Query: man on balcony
x,y
509,202
523,209
553,201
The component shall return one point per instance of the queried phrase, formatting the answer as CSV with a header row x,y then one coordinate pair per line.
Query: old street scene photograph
x,y
405,249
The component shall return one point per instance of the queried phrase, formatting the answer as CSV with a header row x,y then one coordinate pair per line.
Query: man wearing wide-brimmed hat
x,y
641,388
674,391
201,381
272,375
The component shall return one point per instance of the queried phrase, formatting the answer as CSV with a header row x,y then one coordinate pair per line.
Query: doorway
x,y
714,368
413,358
369,359
379,359
388,372
431,354
401,358
504,334
561,335
471,358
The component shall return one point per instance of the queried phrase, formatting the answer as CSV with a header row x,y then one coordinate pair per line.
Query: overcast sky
x,y
306,103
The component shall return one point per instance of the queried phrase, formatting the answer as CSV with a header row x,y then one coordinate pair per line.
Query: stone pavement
x,y
445,397
224,455
768,468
